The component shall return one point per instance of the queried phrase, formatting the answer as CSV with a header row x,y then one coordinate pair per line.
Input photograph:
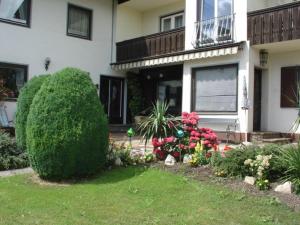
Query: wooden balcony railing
x,y
280,23
151,45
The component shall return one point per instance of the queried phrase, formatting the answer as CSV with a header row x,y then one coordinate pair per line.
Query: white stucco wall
x,y
129,23
47,38
151,18
278,119
132,23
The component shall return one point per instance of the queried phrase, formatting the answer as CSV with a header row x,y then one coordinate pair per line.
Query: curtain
x,y
78,22
8,8
216,89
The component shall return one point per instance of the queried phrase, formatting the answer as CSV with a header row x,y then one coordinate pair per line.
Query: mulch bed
x,y
205,174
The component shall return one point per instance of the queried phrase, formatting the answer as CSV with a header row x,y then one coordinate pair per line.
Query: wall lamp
x,y
263,57
47,63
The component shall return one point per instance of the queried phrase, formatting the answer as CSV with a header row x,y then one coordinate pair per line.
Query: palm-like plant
x,y
159,123
289,158
296,123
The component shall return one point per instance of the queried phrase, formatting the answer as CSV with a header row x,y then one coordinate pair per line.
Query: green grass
x,y
135,196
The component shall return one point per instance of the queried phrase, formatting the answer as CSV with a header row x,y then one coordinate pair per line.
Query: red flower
x,y
159,154
227,148
208,155
176,154
169,139
156,143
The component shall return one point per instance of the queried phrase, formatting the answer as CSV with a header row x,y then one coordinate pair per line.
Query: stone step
x,y
260,136
277,140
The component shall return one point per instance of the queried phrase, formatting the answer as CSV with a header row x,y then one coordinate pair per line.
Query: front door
x,y
112,98
257,100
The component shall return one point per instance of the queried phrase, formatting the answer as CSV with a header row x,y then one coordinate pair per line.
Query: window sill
x,y
80,37
26,25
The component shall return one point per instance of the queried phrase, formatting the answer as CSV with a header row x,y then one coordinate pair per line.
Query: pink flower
x,y
156,143
169,139
176,154
192,145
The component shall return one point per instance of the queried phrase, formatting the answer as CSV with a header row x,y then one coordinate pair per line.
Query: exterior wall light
x,y
47,63
263,57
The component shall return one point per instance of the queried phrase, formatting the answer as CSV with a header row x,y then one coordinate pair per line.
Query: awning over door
x,y
179,57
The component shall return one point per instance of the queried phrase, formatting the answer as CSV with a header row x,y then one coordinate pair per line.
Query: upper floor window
x,y
79,22
215,8
171,22
15,11
12,79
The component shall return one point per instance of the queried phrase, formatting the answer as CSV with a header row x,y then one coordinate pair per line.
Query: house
x,y
235,62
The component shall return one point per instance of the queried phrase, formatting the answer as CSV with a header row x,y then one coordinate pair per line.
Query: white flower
x,y
248,162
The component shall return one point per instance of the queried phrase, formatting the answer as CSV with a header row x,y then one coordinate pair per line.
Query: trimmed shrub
x,y
67,129
10,156
24,101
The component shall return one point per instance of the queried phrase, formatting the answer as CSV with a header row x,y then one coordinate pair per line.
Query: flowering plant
x,y
191,139
259,168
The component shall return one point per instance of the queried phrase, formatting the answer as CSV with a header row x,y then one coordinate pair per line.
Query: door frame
x,y
123,79
259,113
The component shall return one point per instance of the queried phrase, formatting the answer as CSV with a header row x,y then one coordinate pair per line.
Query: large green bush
x,y
24,101
11,157
67,131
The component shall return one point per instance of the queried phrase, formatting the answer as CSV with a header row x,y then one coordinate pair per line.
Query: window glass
x,y
216,89
167,24
16,11
224,7
12,79
179,21
208,11
79,22
172,21
290,81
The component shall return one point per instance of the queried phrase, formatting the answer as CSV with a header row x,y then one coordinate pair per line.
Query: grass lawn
x,y
135,196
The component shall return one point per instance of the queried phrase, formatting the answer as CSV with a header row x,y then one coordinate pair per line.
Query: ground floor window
x,y
290,81
12,79
215,89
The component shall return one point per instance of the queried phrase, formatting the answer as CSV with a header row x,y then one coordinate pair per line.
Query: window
x,y
15,11
12,79
215,89
290,79
216,21
79,22
171,22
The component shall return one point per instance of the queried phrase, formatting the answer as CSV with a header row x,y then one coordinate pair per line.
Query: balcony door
x,y
112,98
216,21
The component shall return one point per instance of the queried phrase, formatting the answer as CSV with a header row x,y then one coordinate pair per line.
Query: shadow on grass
x,y
117,175
114,175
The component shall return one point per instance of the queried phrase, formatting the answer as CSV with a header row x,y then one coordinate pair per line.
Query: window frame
x,y
283,103
90,12
194,89
18,66
28,19
172,16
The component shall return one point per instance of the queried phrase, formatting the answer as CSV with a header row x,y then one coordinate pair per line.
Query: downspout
x,y
112,31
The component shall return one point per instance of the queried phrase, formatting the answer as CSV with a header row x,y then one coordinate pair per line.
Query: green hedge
x,y
11,157
24,101
67,129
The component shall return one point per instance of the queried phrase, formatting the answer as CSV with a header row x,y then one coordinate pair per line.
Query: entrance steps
x,y
269,138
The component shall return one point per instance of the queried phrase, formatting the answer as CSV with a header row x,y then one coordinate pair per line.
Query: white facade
x,y
114,23
47,37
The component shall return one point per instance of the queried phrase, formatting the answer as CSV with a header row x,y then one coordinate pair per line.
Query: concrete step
x,y
260,136
277,140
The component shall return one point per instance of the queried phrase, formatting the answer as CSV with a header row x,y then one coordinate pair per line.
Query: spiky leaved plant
x,y
296,102
159,123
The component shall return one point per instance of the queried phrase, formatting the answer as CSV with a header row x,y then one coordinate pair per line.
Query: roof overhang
x,y
180,57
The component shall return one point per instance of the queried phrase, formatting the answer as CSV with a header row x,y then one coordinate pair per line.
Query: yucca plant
x,y
296,102
159,123
289,158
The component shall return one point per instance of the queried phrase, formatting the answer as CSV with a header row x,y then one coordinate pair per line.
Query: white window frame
x,y
172,17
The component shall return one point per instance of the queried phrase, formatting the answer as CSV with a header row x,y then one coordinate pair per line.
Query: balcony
x,y
215,31
154,45
276,24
